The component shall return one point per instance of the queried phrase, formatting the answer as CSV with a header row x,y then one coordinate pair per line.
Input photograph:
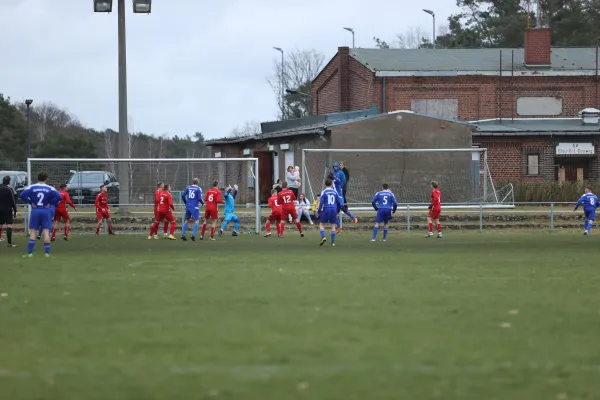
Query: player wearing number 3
x,y
590,203
385,204
287,198
212,200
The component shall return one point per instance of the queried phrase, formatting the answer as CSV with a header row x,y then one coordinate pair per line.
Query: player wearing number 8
x,y
385,204
590,203
40,197
329,207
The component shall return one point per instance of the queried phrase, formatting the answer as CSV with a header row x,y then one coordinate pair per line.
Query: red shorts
x,y
274,217
212,214
61,214
102,215
292,212
434,214
165,215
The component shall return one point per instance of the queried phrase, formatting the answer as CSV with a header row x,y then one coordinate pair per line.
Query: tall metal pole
x,y
123,130
433,15
352,39
28,133
282,90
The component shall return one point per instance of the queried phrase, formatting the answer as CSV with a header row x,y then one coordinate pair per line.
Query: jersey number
x,y
40,202
211,197
191,194
330,199
162,200
385,200
276,203
592,201
287,199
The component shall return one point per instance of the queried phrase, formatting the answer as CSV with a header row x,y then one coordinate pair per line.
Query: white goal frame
x,y
480,150
254,171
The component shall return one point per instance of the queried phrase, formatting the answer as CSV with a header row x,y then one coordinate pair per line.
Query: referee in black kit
x,y
8,208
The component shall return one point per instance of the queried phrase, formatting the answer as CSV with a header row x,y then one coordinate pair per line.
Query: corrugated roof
x,y
533,126
564,59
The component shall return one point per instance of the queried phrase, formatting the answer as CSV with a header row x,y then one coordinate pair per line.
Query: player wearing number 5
x,y
192,197
212,200
329,207
40,197
385,204
590,203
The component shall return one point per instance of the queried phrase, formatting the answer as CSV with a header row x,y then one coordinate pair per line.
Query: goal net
x,y
131,184
462,174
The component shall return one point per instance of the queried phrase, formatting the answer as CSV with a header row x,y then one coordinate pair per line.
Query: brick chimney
x,y
537,47
344,72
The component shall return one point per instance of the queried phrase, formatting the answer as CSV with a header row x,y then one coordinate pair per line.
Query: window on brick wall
x,y
533,164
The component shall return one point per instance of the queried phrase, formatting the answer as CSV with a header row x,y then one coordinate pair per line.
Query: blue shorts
x,y
383,215
328,216
229,217
40,217
590,214
192,213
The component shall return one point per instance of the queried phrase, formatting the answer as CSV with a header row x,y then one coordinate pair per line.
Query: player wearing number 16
x,y
329,207
40,197
192,197
212,200
385,204
590,203
287,198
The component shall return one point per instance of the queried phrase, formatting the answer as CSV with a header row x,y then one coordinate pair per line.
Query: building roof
x,y
534,127
451,62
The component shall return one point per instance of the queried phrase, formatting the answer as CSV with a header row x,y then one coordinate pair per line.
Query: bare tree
x,y
300,67
48,117
248,129
412,38
110,139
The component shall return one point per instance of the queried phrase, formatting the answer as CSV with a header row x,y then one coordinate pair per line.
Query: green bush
x,y
551,191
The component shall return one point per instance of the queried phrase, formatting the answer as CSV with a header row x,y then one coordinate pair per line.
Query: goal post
x,y
462,173
83,178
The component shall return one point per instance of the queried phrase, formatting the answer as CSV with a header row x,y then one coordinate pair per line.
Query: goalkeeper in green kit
x,y
230,216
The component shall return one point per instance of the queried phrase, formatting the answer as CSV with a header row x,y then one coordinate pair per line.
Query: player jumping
x,y
103,210
165,208
192,197
212,200
338,182
230,216
40,196
435,208
590,203
329,207
385,204
275,214
286,198
62,213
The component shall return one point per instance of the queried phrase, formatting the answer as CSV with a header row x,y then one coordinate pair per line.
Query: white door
x,y
275,166
289,159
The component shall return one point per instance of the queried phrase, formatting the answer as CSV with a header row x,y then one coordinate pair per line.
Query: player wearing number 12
x,y
385,204
40,197
329,207
287,198
590,203
192,197
212,200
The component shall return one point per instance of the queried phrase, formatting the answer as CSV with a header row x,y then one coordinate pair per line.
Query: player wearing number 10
x,y
329,207
385,204
40,197
192,197
590,203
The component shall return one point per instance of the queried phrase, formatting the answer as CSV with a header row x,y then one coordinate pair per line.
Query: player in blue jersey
x,y
338,186
52,214
590,203
40,197
329,207
192,197
230,216
385,204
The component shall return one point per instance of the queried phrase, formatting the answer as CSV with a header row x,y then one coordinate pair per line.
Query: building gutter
x,y
536,133
581,72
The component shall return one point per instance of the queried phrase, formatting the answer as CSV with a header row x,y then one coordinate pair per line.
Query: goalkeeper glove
x,y
235,187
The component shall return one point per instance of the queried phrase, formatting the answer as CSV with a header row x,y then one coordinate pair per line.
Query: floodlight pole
x,y
123,129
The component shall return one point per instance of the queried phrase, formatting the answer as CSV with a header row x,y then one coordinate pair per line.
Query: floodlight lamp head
x,y
28,102
430,12
102,6
349,29
142,6
278,49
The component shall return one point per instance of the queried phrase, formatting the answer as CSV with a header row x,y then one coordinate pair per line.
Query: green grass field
x,y
498,315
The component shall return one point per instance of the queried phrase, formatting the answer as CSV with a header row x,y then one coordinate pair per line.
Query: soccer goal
x,y
463,175
131,184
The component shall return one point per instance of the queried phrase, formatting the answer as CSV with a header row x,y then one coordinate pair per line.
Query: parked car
x,y
18,181
84,186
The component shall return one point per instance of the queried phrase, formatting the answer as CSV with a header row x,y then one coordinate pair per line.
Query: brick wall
x,y
538,46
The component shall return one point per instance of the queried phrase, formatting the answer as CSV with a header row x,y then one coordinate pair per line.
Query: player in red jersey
x,y
159,188
212,200
103,210
286,198
275,214
164,213
62,213
435,209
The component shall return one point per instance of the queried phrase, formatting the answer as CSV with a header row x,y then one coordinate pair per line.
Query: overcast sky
x,y
193,65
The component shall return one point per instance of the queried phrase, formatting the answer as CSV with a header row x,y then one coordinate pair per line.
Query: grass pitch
x,y
474,316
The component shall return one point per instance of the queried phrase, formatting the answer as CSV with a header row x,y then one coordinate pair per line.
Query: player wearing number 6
x,y
212,200
329,207
590,203
385,204
40,197
192,197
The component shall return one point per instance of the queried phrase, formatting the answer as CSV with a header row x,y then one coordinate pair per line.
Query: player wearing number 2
x,y
212,200
329,207
287,198
192,197
385,204
590,203
40,197
165,213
